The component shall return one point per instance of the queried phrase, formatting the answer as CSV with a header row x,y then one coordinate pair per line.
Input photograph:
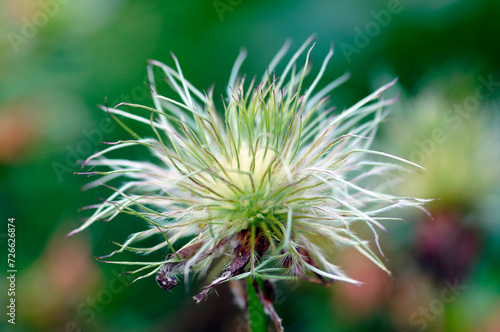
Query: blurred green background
x,y
60,58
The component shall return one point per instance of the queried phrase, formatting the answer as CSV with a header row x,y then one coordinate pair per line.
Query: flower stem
x,y
256,313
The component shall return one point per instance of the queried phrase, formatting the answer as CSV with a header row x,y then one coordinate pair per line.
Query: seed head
x,y
265,185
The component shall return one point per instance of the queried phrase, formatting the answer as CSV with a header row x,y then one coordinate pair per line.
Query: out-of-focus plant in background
x,y
59,58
